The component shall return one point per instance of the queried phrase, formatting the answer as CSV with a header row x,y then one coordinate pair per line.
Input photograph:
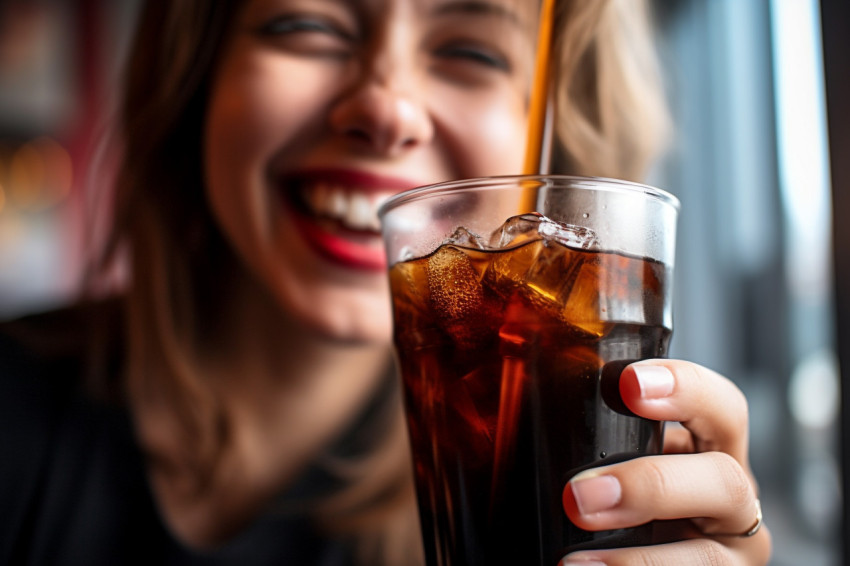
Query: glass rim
x,y
500,181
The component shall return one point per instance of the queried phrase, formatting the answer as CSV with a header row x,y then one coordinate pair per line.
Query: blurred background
x,y
755,294
58,62
755,298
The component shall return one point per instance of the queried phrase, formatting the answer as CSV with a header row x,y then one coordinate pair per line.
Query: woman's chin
x,y
353,323
364,335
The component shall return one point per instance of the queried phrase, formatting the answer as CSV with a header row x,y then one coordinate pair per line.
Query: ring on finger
x,y
758,523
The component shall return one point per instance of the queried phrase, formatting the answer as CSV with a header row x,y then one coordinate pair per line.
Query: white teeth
x,y
355,210
359,211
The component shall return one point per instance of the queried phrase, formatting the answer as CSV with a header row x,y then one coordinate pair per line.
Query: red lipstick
x,y
330,234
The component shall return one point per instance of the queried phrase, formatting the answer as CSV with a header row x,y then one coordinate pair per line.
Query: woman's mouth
x,y
352,209
336,213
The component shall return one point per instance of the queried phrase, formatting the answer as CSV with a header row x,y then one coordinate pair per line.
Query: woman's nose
x,y
382,118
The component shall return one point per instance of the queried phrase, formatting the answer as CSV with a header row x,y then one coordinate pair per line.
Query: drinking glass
x,y
517,302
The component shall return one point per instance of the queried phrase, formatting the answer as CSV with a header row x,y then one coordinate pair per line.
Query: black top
x,y
73,487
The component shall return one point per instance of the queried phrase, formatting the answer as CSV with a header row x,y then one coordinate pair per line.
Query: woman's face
x,y
321,109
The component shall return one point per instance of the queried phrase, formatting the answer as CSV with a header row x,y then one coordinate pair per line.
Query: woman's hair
x,y
160,223
611,113
611,123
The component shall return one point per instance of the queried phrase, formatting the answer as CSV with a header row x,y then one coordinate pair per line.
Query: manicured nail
x,y
596,493
655,381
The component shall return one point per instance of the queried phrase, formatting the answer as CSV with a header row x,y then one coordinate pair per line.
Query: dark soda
x,y
510,359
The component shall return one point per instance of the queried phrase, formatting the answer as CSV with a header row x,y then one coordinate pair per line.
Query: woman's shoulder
x,y
58,333
51,426
56,351
32,389
73,487
46,362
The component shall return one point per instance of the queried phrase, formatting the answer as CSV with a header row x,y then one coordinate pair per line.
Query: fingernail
x,y
581,562
596,493
654,381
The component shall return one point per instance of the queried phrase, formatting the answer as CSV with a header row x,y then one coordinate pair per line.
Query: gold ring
x,y
759,521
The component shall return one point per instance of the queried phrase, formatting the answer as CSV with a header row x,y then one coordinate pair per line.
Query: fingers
x,y
711,486
697,552
678,440
701,490
709,406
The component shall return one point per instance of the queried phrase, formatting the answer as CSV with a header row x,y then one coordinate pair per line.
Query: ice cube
x,y
578,237
541,272
540,261
552,275
516,230
607,289
465,238
453,282
509,269
535,261
520,243
523,228
457,296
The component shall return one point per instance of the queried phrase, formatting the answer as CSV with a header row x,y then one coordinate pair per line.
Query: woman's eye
x,y
285,25
474,54
308,35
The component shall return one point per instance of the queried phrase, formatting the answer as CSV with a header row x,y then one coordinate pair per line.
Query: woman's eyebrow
x,y
478,7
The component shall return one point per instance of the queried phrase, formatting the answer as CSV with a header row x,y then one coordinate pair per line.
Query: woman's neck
x,y
283,394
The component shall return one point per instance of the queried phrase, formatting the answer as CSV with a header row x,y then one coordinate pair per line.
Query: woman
x,y
237,404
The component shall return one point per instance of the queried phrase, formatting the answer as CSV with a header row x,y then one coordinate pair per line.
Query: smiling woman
x,y
235,401
384,93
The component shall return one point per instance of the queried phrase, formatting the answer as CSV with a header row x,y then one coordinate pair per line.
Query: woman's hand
x,y
701,491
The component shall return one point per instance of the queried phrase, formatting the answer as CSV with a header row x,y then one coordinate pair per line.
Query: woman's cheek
x,y
493,134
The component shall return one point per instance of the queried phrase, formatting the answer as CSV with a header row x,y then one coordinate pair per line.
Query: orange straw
x,y
540,110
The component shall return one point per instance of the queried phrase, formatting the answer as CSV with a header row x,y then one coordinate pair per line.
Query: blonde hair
x,y
611,122
611,112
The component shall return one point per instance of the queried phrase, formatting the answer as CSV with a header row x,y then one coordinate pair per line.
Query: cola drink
x,y
510,348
